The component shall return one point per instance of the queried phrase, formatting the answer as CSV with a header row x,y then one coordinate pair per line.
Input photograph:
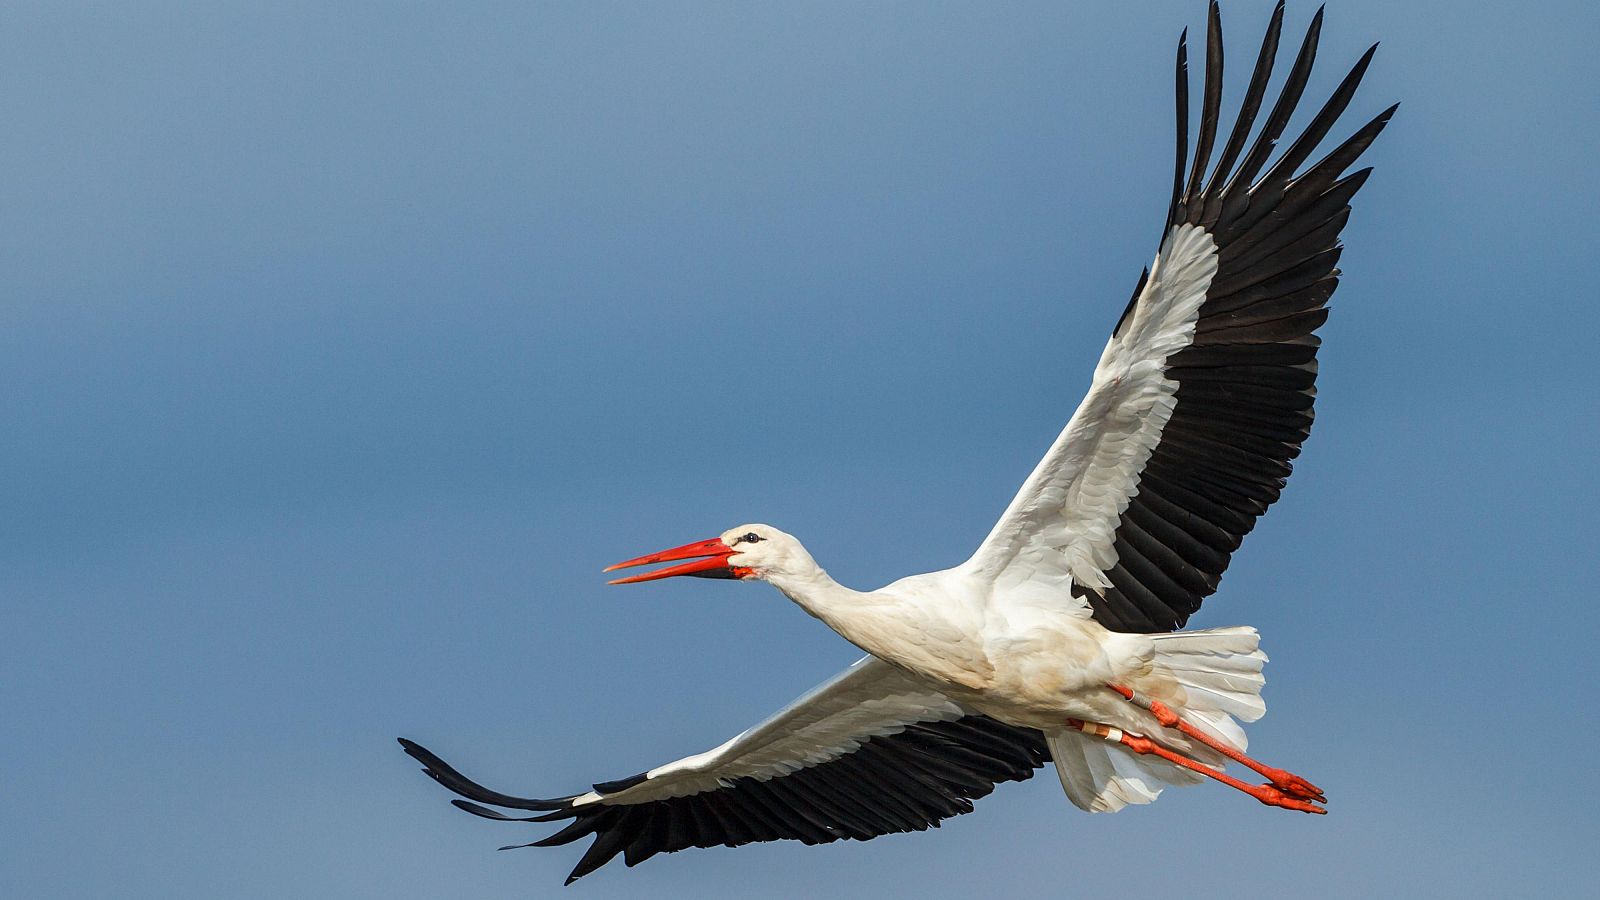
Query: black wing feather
x,y
1247,110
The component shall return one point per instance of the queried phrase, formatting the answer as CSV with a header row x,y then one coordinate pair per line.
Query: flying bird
x,y
1056,641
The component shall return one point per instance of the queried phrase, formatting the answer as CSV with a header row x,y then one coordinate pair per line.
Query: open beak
x,y
713,565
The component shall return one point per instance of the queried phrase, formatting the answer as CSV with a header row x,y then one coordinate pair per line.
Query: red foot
x,y
1271,796
1295,786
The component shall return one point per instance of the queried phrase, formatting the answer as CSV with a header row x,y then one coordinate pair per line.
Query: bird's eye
x,y
750,537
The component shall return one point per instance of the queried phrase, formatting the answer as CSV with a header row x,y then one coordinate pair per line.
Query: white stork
x,y
1055,641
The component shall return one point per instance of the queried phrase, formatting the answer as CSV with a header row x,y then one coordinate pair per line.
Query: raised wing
x,y
869,752
1204,392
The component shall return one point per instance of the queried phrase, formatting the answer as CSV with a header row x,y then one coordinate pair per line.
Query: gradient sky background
x,y
341,348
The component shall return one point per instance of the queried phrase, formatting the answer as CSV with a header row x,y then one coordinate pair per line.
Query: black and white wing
x,y
1204,392
869,752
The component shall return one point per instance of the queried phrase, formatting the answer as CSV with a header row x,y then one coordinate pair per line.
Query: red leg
x,y
1266,793
1285,781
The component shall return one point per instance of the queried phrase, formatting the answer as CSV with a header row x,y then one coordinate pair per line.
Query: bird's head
x,y
749,551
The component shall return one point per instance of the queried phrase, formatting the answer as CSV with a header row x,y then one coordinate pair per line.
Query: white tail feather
x,y
1220,671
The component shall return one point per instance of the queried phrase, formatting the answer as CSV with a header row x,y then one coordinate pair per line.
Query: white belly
x,y
1046,665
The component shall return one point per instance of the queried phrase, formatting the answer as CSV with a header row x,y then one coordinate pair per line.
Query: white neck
x,y
877,622
817,593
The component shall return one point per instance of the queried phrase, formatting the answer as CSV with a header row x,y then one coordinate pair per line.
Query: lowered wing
x,y
869,752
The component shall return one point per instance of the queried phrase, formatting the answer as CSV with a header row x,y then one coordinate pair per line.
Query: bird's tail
x,y
1219,673
1219,670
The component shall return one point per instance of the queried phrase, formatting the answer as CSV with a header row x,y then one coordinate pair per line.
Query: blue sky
x,y
341,348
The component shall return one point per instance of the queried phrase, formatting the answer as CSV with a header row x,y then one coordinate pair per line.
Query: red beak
x,y
715,565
